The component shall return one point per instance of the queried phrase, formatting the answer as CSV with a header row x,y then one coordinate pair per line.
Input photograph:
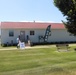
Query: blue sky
x,y
29,10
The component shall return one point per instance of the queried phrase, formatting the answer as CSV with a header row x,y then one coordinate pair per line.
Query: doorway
x,y
22,36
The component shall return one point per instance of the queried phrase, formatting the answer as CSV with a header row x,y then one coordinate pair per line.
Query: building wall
x,y
57,35
61,35
5,35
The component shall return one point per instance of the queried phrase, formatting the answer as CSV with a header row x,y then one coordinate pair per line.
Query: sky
x,y
29,10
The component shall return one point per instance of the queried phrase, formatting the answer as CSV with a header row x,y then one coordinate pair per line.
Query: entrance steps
x,y
28,43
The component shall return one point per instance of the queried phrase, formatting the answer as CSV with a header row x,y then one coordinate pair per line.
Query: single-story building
x,y
32,30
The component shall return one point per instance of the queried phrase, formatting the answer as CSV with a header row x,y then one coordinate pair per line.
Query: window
x,y
32,33
11,33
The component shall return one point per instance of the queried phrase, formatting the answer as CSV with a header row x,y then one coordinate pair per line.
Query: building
x,y
32,30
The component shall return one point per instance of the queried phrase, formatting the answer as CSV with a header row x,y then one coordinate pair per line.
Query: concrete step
x,y
26,44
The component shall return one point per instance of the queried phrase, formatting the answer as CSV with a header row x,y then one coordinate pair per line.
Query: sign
x,y
22,45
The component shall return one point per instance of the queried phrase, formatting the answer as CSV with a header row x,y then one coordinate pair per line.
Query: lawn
x,y
41,61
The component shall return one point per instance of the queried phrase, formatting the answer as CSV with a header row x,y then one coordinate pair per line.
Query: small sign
x,y
22,45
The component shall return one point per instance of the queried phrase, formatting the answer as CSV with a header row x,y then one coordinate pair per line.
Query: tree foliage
x,y
68,9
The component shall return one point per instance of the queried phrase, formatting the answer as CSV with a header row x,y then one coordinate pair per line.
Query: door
x,y
22,36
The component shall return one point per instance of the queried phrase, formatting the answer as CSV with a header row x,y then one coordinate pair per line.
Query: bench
x,y
62,47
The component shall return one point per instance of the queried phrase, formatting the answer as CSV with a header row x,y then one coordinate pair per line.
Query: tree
x,y
68,9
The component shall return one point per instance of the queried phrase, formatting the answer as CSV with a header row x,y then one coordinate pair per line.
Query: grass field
x,y
41,61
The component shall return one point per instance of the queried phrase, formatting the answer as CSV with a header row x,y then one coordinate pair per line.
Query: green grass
x,y
41,61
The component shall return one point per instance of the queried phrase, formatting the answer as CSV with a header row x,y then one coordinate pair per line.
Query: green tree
x,y
68,9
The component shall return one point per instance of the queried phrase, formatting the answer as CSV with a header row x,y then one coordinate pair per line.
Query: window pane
x,y
11,33
32,33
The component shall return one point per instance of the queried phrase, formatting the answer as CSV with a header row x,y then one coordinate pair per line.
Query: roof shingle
x,y
30,25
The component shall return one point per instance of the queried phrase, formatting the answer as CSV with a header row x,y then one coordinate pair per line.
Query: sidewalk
x,y
5,48
40,46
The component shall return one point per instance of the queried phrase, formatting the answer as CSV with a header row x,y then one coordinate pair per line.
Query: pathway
x,y
5,48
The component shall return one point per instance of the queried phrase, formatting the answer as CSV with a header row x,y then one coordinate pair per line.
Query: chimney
x,y
34,21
